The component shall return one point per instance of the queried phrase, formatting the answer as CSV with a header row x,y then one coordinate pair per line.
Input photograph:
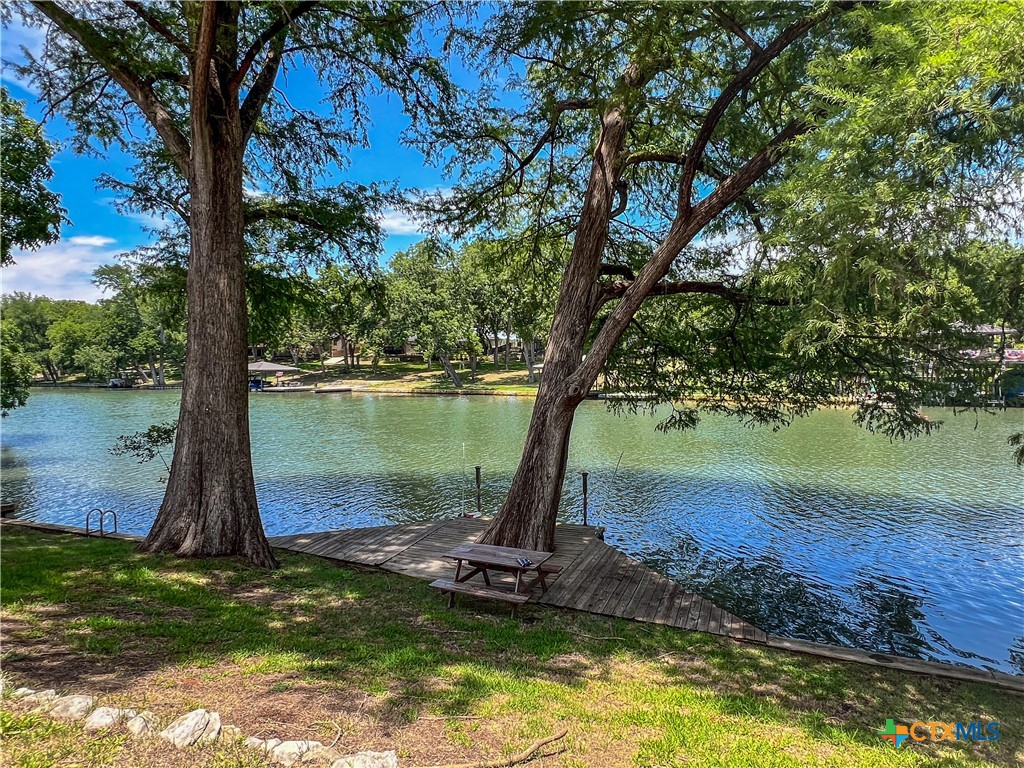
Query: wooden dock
x,y
594,577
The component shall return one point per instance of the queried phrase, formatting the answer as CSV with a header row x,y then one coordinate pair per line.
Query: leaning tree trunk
x,y
210,506
528,516
446,363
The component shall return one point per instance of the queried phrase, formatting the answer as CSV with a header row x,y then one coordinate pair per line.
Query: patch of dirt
x,y
278,706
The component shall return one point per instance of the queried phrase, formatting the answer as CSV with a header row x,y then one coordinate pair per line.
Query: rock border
x,y
192,728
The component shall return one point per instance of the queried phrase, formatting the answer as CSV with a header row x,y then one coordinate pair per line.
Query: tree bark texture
x,y
528,516
210,505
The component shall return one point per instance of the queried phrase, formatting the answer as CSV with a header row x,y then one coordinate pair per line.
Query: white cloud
x,y
62,270
399,223
96,241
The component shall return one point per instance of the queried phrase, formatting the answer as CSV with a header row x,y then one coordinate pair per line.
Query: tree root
x,y
507,762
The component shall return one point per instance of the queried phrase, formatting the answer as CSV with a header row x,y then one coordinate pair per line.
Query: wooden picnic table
x,y
483,559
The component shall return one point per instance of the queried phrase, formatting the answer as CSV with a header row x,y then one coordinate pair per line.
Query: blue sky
x,y
98,233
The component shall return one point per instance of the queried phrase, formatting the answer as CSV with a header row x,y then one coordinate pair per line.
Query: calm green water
x,y
819,531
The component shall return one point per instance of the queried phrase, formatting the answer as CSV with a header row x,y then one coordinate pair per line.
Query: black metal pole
x,y
479,508
584,498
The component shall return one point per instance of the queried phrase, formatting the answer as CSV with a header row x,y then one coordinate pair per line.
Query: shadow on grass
x,y
74,606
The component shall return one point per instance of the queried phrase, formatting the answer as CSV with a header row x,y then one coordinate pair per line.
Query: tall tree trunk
x,y
528,516
495,345
450,369
210,505
508,342
528,357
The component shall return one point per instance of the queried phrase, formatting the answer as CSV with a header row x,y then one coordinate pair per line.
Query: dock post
x,y
479,508
585,498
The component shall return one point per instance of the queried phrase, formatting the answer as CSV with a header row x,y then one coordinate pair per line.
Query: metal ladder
x,y
102,515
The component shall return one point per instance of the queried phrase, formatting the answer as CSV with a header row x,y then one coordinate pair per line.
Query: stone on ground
x,y
102,717
21,693
191,727
288,753
230,732
142,724
72,707
368,760
42,699
212,732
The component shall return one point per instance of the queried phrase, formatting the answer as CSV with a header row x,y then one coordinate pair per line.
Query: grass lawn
x,y
378,662
406,376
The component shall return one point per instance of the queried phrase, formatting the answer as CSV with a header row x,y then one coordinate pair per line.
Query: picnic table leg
x,y
451,595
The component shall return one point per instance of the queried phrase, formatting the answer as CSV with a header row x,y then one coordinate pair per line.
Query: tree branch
x,y
684,229
261,87
731,24
97,46
158,26
206,37
622,270
757,63
618,288
635,158
277,27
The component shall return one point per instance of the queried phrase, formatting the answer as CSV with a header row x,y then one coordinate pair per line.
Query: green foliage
x,y
32,215
140,324
148,445
854,267
1016,440
429,296
17,370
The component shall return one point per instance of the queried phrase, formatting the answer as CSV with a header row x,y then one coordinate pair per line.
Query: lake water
x,y
819,531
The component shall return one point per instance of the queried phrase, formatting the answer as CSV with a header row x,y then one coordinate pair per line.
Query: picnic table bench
x,y
483,559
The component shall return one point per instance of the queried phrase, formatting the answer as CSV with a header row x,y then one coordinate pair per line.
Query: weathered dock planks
x,y
594,577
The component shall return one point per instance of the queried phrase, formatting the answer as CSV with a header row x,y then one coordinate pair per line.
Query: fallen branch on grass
x,y
507,762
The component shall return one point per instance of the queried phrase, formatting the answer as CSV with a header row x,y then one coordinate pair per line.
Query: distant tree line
x,y
434,300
